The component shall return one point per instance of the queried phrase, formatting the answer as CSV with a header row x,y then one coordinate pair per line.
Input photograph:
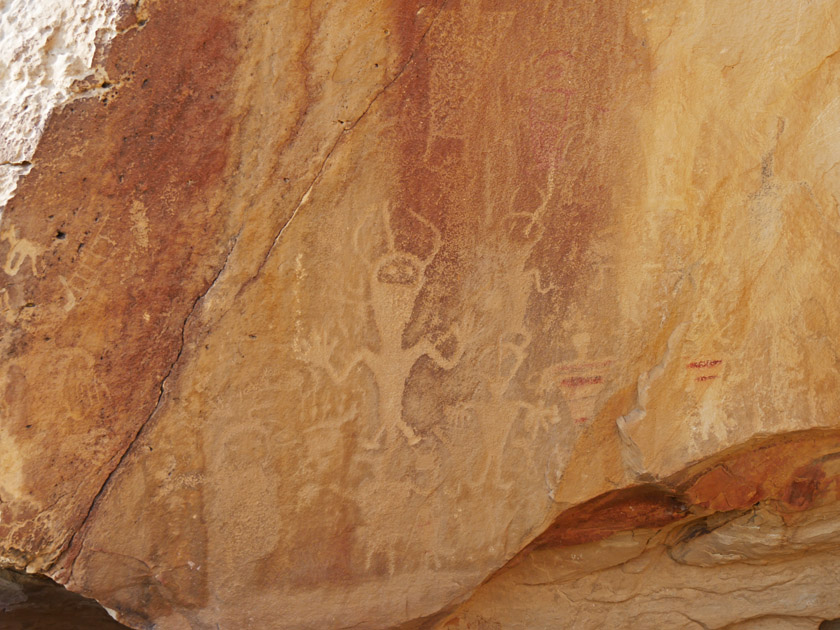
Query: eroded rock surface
x,y
446,314
46,56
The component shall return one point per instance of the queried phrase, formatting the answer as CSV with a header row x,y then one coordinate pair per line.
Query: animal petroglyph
x,y
19,250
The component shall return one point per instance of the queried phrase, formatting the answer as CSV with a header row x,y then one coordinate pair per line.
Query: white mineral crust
x,y
45,45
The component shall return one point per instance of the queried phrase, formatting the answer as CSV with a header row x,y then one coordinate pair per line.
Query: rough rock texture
x,y
473,314
46,49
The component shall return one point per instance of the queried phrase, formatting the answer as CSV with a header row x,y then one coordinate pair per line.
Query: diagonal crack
x,y
348,128
67,549
161,390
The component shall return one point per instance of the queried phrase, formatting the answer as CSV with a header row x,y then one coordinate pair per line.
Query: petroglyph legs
x,y
19,250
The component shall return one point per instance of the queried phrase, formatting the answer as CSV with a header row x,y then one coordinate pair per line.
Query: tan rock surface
x,y
324,313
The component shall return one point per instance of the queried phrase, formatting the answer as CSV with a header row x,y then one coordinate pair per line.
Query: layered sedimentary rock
x,y
447,314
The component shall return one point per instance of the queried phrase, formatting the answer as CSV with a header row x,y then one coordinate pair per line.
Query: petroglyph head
x,y
399,268
524,228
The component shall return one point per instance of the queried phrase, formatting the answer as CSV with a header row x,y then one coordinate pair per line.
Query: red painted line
x,y
708,377
704,364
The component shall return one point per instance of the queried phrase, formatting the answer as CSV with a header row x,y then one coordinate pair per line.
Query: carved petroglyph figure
x,y
6,307
395,280
525,230
517,423
70,297
88,267
549,109
84,391
70,375
19,250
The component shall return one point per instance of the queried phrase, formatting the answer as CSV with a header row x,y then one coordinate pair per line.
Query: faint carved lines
x,y
513,429
6,307
140,223
581,387
78,368
70,298
318,350
512,352
12,486
300,277
549,108
68,377
88,267
461,415
526,229
19,250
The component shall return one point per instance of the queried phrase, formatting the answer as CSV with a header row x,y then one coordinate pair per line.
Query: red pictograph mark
x,y
580,385
580,381
707,363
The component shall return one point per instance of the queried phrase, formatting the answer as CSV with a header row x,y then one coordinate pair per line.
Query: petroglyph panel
x,y
342,327
416,335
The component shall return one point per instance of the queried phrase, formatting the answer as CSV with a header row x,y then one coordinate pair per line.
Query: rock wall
x,y
433,314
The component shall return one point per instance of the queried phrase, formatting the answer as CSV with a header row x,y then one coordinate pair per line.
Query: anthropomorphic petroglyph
x,y
395,280
516,420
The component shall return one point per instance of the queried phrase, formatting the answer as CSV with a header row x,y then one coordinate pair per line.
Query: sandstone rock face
x,y
456,314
